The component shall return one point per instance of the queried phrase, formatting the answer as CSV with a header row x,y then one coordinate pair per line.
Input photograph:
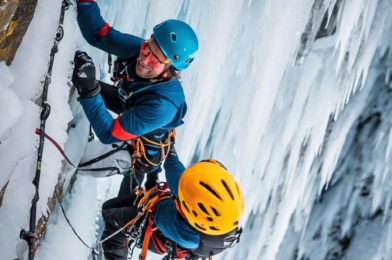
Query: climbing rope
x,y
150,199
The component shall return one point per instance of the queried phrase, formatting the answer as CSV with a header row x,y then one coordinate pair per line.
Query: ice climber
x,y
195,215
147,95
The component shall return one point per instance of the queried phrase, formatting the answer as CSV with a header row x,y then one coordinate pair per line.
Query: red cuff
x,y
119,132
104,30
84,1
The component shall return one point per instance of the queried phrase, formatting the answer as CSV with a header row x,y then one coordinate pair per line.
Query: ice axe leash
x,y
117,170
30,235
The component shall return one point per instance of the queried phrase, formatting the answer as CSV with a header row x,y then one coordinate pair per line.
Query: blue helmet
x,y
177,41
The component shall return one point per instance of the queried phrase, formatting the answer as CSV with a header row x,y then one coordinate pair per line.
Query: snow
x,y
9,103
309,144
20,115
83,195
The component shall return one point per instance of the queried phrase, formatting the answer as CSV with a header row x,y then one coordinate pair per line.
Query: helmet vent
x,y
188,61
194,213
216,212
173,37
210,189
214,228
175,57
201,206
228,189
200,227
186,207
210,219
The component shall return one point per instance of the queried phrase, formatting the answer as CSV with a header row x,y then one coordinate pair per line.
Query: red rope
x,y
38,132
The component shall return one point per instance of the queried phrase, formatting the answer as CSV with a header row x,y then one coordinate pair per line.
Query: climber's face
x,y
151,61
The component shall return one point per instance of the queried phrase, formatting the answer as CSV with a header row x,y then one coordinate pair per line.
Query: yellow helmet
x,y
210,198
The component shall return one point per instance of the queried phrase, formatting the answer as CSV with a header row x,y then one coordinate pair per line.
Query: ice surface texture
x,y
20,86
310,144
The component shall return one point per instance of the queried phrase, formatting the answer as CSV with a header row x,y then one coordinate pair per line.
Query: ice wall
x,y
19,88
290,95
280,128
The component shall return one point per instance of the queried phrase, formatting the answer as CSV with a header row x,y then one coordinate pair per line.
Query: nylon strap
x,y
146,241
99,158
37,131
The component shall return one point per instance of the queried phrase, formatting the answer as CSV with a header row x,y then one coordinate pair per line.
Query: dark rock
x,y
15,18
2,191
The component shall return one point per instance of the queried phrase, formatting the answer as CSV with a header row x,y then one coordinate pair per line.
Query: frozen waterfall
x,y
293,97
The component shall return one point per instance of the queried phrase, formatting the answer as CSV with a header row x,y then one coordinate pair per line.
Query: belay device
x,y
30,235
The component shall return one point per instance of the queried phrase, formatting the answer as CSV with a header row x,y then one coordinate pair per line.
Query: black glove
x,y
83,76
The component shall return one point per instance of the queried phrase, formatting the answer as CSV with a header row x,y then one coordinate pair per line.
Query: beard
x,y
145,72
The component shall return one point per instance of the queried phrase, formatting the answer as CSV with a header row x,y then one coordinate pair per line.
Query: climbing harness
x,y
144,234
30,235
146,204
148,237
140,149
147,230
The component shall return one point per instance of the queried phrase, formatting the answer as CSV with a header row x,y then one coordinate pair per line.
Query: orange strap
x,y
140,151
149,203
146,241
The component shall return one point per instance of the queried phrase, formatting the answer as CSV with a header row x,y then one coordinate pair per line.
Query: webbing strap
x,y
99,158
37,131
149,201
146,242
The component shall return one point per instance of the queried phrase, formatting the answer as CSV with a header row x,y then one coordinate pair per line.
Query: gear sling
x,y
147,236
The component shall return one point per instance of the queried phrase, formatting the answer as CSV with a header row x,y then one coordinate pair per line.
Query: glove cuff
x,y
91,93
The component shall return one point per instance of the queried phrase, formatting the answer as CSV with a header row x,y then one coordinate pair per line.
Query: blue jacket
x,y
167,218
162,107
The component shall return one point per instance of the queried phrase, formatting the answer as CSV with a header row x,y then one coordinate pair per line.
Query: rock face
x,y
15,18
